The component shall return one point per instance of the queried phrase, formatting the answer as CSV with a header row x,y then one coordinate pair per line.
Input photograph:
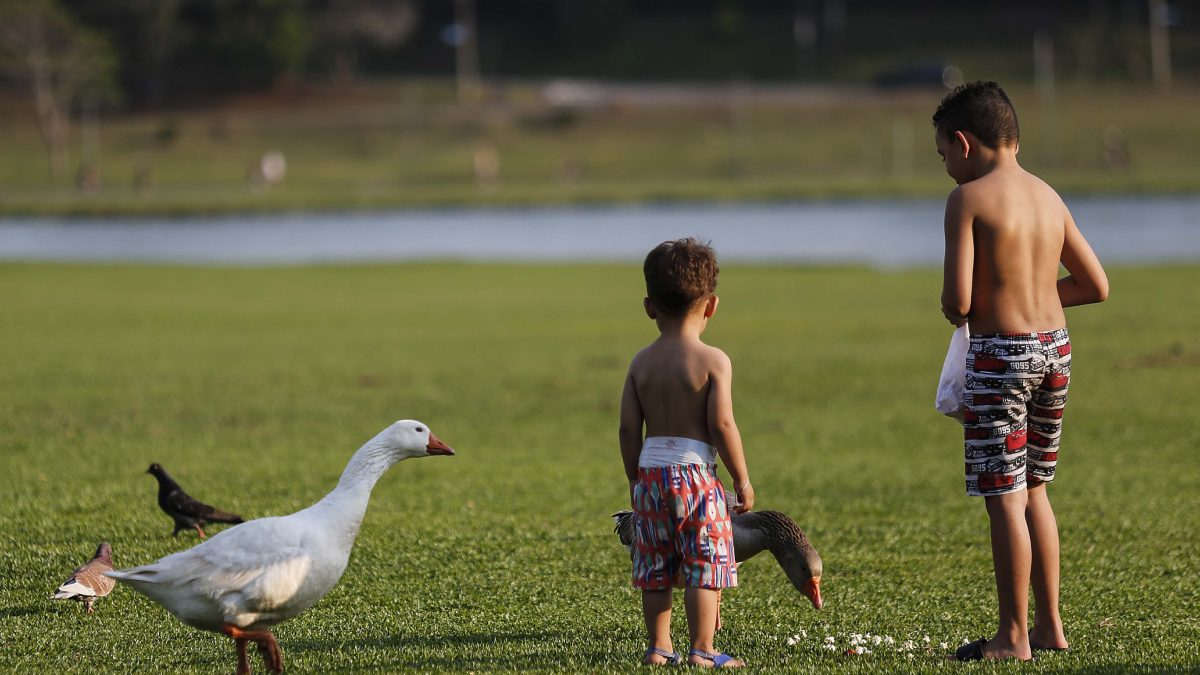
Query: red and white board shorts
x,y
1015,392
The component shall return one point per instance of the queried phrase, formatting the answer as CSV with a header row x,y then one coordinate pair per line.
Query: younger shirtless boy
x,y
1006,233
678,388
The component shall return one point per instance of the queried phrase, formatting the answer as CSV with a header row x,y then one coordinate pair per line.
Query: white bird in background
x,y
245,580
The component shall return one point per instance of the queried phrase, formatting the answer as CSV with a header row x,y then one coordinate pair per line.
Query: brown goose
x,y
88,583
758,531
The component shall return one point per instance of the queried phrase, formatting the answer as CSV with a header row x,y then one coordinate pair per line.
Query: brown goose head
x,y
780,535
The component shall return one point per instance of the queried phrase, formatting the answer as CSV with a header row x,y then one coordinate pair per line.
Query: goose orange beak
x,y
437,447
812,591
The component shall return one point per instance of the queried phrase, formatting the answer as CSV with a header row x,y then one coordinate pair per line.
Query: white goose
x,y
243,581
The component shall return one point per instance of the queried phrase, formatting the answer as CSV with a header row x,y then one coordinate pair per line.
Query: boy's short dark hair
x,y
679,273
981,108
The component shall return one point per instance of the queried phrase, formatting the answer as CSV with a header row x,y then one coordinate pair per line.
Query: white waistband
x,y
669,450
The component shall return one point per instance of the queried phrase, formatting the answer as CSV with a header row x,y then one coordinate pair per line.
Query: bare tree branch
x,y
41,44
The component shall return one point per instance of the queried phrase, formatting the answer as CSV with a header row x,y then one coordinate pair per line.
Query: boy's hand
x,y
745,498
956,319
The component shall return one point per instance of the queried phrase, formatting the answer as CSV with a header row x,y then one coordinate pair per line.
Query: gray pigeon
x,y
185,511
88,583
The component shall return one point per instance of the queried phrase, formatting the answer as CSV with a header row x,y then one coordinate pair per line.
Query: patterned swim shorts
x,y
682,534
1015,392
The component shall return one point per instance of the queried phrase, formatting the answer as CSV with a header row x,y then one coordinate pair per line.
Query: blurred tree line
x,y
150,53
173,50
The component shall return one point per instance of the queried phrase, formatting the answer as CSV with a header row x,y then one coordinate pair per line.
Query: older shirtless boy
x,y
1006,233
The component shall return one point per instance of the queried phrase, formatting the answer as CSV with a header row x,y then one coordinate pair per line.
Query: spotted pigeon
x,y
185,511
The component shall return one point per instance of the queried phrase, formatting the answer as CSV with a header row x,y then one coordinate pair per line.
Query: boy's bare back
x,y
677,380
1018,227
1006,230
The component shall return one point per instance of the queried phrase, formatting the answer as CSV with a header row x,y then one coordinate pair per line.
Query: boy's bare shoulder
x,y
975,196
656,356
716,359
997,190
1048,193
1039,188
981,190
640,359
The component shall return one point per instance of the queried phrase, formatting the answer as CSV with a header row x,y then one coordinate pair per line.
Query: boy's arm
x,y
630,432
723,431
1086,281
960,259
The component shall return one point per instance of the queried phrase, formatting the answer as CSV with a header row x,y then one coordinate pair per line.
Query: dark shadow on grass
x,y
429,641
1186,667
533,651
10,612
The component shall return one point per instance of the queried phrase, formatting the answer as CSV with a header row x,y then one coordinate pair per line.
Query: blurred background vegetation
x,y
213,105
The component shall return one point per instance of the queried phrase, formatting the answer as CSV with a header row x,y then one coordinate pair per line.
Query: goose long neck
x,y
348,501
748,538
365,468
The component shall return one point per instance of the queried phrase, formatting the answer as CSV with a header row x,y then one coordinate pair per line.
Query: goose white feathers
x,y
246,579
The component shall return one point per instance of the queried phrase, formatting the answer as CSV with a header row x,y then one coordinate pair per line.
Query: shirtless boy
x,y
1006,233
678,389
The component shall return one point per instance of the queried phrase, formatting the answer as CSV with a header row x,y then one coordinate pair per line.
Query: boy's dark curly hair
x,y
981,108
680,273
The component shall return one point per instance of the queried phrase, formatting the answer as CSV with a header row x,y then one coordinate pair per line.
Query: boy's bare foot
x,y
713,660
990,650
1050,642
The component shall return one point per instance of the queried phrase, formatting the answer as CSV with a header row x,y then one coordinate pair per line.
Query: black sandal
x,y
972,651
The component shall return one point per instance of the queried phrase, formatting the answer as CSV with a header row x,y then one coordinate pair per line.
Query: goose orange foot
x,y
268,647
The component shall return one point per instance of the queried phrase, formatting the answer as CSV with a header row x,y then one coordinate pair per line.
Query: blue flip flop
x,y
718,660
671,657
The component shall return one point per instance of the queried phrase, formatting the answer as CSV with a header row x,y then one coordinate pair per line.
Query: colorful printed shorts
x,y
1016,388
682,535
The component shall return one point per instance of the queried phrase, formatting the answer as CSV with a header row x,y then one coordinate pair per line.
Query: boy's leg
x,y
1046,415
707,559
701,605
1047,632
1011,557
656,608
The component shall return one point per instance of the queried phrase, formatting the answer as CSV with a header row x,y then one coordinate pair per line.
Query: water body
x,y
882,233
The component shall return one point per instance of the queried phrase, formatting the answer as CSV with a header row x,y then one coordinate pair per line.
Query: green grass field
x,y
391,144
254,386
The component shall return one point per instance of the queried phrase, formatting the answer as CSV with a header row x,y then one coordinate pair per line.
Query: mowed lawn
x,y
254,386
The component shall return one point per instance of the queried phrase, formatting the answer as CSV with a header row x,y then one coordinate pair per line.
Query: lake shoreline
x,y
875,232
